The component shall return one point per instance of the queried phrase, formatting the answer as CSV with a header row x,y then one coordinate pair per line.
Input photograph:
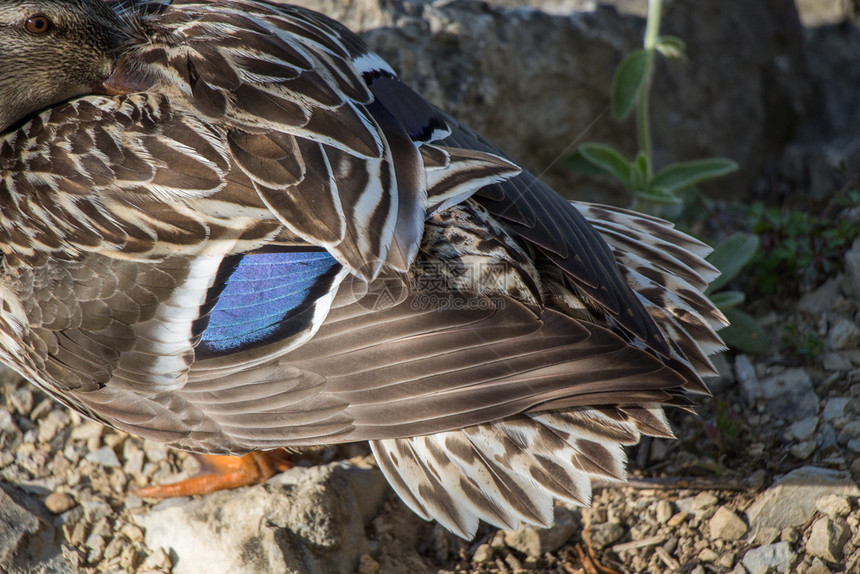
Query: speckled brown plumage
x,y
237,230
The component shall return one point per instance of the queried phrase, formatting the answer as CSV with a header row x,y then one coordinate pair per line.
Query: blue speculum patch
x,y
260,298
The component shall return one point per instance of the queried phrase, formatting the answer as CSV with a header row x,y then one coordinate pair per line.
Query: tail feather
x,y
510,471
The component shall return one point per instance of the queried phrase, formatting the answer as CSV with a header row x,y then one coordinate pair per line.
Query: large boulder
x,y
537,83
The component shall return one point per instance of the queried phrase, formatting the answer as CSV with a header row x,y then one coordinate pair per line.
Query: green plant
x,y
631,86
800,247
805,345
730,256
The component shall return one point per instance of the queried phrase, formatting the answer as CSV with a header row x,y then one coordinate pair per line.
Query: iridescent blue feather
x,y
262,297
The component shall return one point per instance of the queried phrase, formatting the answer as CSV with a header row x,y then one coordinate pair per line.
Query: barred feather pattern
x,y
254,236
248,122
509,472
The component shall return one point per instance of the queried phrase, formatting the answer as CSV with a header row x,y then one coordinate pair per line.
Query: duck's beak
x,y
120,82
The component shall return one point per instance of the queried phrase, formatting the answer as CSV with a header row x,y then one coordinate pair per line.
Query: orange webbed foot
x,y
222,473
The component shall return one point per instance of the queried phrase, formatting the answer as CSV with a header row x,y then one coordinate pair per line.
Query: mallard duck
x,y
227,226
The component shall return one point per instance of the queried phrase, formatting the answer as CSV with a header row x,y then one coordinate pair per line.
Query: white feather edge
x,y
496,482
492,472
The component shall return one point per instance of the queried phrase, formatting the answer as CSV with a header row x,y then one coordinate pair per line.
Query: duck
x,y
227,226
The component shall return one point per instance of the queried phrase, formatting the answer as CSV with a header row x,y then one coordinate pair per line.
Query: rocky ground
x,y
763,478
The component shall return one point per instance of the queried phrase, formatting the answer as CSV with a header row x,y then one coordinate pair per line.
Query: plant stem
x,y
652,33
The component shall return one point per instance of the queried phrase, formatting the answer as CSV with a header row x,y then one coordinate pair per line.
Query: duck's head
x,y
53,50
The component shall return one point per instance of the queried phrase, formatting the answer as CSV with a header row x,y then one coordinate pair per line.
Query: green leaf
x,y
672,47
576,162
627,83
684,174
730,255
727,299
608,159
744,333
658,195
639,172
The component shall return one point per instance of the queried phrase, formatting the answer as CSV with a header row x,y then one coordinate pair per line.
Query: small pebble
x,y
367,565
128,559
132,531
663,511
483,554
104,456
43,408
158,560
602,535
803,450
803,430
87,430
766,536
726,525
827,538
96,545
703,501
21,400
833,505
59,502
834,409
708,555
678,519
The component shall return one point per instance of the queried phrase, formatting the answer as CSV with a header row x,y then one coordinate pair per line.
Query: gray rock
x,y
836,362
833,505
606,533
726,525
818,567
703,501
747,378
21,400
827,538
834,409
802,450
7,423
820,300
87,430
826,437
52,424
104,456
790,502
803,429
771,558
829,136
533,541
28,536
532,82
852,267
849,431
664,511
726,376
306,520
767,536
788,395
844,334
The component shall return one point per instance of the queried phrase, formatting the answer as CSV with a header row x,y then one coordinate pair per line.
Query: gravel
x,y
696,504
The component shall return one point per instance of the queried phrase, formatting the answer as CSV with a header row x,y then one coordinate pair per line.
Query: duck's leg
x,y
222,473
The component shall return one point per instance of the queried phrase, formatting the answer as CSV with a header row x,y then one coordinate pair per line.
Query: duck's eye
x,y
38,24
